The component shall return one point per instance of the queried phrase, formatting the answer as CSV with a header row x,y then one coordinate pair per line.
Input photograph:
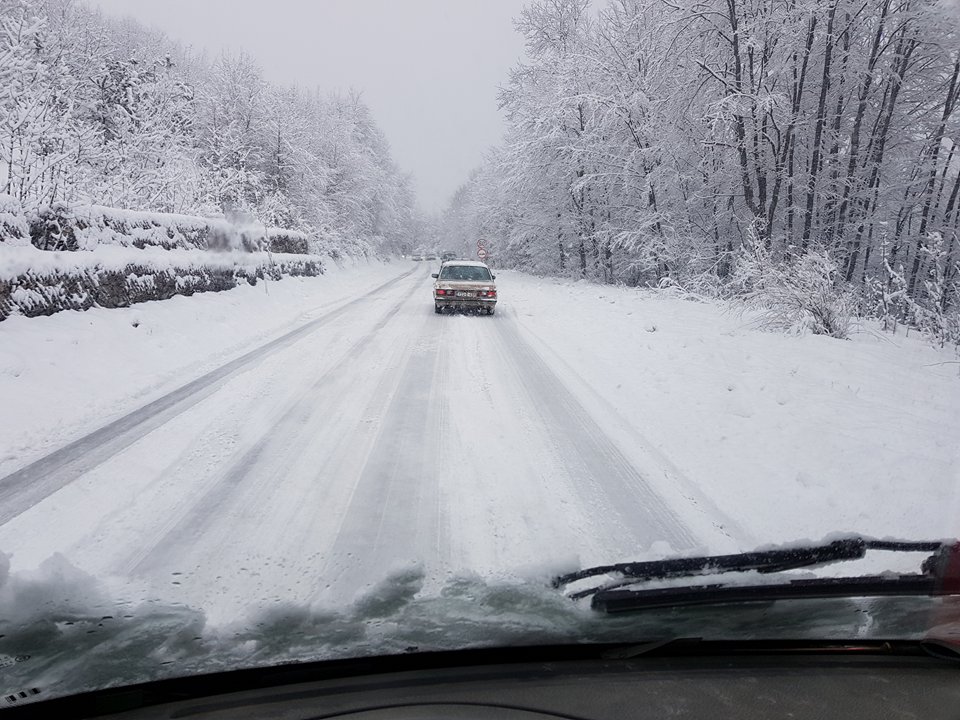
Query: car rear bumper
x,y
464,303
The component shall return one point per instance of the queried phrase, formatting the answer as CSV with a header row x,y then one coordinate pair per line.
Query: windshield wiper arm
x,y
626,600
763,561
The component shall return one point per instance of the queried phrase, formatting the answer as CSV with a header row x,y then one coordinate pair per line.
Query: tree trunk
x,y
818,130
739,125
936,143
830,205
863,96
878,140
786,158
562,257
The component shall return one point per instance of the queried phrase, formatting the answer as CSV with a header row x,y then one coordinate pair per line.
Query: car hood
x,y
89,644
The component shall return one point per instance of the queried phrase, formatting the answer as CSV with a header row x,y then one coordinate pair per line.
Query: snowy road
x,y
302,441
321,434
375,436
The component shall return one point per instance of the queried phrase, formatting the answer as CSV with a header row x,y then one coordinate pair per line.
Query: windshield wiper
x,y
623,600
612,595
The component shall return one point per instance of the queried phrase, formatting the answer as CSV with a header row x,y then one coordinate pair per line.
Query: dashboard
x,y
842,681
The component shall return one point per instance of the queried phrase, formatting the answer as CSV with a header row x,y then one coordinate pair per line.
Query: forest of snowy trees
x,y
796,152
100,111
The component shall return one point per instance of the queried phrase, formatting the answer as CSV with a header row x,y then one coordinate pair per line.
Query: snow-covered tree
x,y
650,140
104,111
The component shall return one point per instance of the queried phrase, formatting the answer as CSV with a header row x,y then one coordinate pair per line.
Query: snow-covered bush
x,y
50,283
85,227
803,294
287,241
698,286
116,257
52,227
933,307
13,225
95,225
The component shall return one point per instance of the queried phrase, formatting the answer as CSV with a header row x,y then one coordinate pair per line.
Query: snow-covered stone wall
x,y
65,257
85,227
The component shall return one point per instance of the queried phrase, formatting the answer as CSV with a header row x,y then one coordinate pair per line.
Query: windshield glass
x,y
242,424
464,272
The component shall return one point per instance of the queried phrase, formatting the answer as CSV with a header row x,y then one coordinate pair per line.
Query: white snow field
x,y
304,441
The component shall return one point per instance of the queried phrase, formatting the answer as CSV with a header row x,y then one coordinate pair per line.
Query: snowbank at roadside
x,y
783,436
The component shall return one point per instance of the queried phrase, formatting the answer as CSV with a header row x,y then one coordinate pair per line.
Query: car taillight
x,y
487,293
441,291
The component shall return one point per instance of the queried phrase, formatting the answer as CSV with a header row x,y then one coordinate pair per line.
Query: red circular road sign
x,y
481,253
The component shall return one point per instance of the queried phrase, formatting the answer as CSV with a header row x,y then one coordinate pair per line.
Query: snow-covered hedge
x,y
85,227
35,282
287,241
63,257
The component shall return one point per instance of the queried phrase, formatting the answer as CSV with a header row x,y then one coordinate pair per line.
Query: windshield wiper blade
x,y
763,561
627,600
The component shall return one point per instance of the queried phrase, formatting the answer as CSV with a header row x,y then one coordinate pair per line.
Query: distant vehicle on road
x,y
431,256
448,255
464,285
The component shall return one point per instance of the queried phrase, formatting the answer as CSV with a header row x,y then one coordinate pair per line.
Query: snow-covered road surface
x,y
376,436
22,489
360,434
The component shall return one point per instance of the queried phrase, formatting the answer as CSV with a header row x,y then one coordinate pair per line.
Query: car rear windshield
x,y
464,272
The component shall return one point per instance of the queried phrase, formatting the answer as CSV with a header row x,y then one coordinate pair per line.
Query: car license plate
x,y
465,294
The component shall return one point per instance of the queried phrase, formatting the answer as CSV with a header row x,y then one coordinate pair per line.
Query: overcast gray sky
x,y
429,69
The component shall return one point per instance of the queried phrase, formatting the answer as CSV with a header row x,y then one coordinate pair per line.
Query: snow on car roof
x,y
475,263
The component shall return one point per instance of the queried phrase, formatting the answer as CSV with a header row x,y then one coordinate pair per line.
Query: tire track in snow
x,y
392,517
29,485
723,527
268,460
438,432
597,466
507,506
